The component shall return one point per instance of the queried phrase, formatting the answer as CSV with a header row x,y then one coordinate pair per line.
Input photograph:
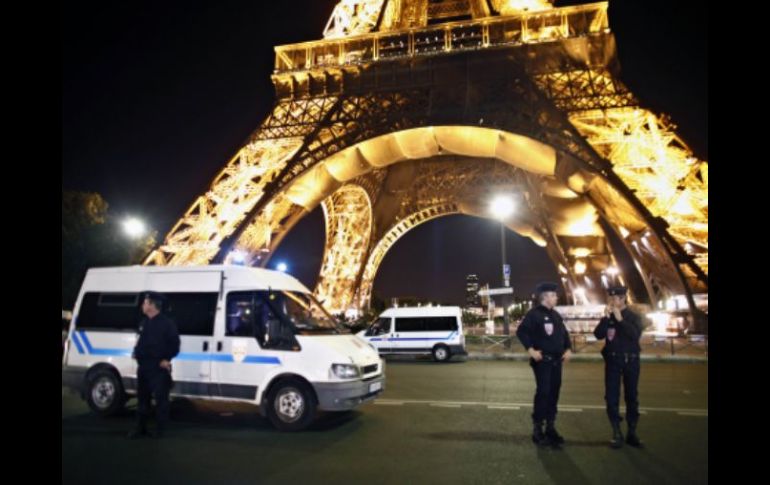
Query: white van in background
x,y
247,334
435,330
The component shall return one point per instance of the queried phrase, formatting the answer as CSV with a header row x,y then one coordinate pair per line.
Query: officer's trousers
x,y
153,382
623,366
548,380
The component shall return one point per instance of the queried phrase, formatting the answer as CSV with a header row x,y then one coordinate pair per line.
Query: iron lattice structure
x,y
410,110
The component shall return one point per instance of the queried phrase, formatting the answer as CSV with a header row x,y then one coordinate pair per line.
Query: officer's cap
x,y
155,296
543,287
617,291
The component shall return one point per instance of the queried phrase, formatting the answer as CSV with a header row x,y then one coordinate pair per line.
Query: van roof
x,y
236,276
422,311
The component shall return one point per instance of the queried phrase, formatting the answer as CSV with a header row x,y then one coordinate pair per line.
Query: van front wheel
x,y
104,393
291,406
441,353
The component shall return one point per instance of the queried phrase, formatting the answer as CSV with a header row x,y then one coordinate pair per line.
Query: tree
x,y
91,237
471,319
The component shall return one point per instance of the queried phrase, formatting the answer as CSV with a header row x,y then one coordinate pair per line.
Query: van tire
x,y
104,393
291,405
441,353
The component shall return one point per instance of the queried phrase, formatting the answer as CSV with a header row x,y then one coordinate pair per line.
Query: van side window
x,y
380,327
250,315
110,311
426,324
244,316
440,324
193,313
410,325
273,315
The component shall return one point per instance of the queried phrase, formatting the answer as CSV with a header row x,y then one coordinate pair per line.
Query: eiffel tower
x,y
410,110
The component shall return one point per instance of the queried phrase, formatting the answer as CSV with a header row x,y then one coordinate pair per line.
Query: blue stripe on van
x,y
95,351
195,356
449,337
76,341
249,359
204,356
261,359
84,338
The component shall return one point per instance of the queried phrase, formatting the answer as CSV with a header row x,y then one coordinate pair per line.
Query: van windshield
x,y
304,312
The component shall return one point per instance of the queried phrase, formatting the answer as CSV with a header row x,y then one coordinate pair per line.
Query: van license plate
x,y
375,387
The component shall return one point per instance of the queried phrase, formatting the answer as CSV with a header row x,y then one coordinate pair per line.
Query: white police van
x,y
247,334
436,330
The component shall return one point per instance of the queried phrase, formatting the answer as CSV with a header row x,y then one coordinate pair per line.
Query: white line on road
x,y
444,405
566,407
506,408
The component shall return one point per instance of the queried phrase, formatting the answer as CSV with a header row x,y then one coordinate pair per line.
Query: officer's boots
x,y
158,432
617,436
139,431
553,435
538,437
632,438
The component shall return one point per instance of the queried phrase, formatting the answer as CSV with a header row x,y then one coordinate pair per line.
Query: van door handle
x,y
205,346
219,346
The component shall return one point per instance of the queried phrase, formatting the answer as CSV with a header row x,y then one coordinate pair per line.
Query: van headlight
x,y
345,371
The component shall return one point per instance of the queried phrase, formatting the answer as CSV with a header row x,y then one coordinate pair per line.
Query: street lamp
x,y
133,227
501,207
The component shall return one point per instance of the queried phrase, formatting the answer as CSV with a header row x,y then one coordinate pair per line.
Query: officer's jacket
x,y
620,336
544,330
158,339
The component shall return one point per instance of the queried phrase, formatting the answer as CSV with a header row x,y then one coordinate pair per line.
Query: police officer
x,y
543,333
158,343
621,328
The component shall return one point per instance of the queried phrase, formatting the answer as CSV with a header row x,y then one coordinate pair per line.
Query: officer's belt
x,y
623,354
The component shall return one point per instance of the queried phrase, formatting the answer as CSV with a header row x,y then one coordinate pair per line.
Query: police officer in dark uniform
x,y
621,328
543,333
158,343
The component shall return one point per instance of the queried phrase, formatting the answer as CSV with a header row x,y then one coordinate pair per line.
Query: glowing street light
x,y
501,207
133,228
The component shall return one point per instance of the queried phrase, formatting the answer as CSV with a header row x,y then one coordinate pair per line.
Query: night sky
x,y
157,96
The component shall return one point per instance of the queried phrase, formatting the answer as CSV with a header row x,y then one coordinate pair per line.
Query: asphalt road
x,y
465,422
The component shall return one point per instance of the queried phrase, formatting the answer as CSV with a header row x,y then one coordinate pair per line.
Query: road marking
x,y
624,410
570,410
564,407
699,414
444,405
506,408
388,403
